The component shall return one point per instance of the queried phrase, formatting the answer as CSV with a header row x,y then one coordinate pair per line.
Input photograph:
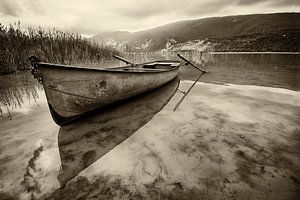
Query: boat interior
x,y
152,66
143,67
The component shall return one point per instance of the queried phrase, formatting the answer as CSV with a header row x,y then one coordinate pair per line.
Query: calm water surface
x,y
272,70
25,119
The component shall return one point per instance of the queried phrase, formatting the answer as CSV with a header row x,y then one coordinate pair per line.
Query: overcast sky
x,y
89,17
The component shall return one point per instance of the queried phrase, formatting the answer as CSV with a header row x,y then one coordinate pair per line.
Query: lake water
x,y
37,156
272,70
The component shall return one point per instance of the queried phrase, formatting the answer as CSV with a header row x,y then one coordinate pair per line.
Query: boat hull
x,y
72,92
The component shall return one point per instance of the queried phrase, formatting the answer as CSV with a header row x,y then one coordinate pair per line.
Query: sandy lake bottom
x,y
225,141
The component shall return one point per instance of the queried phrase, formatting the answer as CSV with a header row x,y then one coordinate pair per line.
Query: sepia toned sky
x,y
90,17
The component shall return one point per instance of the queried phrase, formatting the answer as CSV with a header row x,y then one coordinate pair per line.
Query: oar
x,y
124,60
187,92
187,61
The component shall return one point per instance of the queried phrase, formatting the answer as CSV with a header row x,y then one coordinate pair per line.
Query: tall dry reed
x,y
16,45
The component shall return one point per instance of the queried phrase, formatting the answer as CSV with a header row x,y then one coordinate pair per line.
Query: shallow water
x,y
37,156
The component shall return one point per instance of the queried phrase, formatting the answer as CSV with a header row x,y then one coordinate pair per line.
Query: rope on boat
x,y
35,68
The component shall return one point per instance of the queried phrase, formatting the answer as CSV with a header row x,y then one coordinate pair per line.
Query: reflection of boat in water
x,y
73,90
88,139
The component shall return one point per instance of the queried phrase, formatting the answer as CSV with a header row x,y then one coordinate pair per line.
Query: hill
x,y
258,32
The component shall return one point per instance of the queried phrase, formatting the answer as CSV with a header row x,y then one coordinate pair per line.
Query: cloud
x,y
270,2
285,3
9,8
93,16
149,8
205,7
250,2
140,10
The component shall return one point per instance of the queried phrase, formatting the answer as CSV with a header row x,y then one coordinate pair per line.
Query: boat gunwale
x,y
174,65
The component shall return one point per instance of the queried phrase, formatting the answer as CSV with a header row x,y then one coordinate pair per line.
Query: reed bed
x,y
51,45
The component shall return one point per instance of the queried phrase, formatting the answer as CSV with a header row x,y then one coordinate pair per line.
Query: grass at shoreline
x,y
16,45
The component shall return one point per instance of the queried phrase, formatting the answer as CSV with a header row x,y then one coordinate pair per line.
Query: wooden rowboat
x,y
72,90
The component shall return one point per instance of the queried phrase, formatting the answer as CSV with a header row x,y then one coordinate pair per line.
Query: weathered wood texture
x,y
72,91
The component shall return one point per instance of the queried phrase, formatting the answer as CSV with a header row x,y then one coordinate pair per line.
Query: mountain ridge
x,y
216,30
